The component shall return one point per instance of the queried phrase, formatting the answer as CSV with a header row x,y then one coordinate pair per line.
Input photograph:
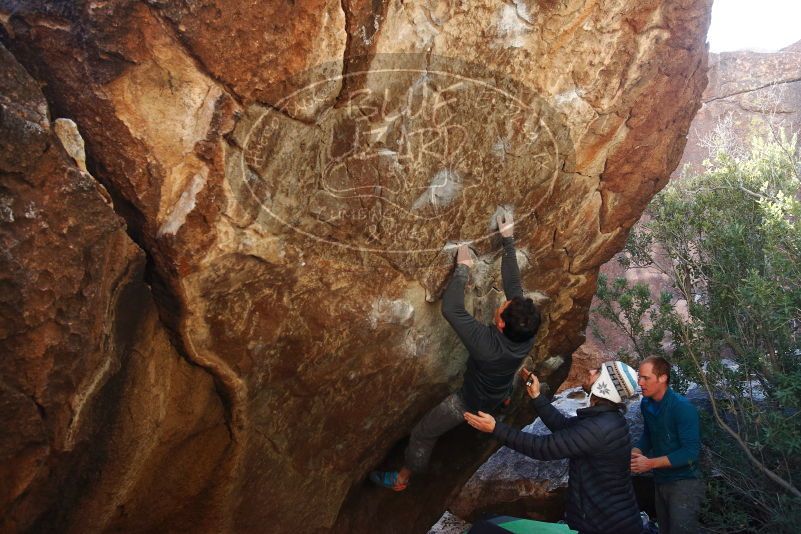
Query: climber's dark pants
x,y
446,415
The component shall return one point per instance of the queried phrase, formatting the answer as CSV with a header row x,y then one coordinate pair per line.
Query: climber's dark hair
x,y
522,319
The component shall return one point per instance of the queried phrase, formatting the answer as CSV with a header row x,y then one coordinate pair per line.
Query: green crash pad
x,y
529,526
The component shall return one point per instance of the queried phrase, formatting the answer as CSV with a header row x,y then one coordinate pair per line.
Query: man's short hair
x,y
522,319
660,366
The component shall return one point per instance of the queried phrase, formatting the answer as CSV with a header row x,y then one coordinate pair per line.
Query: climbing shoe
x,y
387,479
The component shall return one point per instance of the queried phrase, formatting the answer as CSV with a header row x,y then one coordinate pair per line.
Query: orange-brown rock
x,y
105,425
295,172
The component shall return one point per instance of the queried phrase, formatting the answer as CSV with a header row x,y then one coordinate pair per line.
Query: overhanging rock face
x,y
100,415
296,173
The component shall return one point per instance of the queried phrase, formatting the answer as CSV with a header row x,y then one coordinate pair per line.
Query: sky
x,y
758,25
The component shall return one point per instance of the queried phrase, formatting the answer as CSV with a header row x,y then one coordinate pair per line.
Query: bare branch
x,y
744,446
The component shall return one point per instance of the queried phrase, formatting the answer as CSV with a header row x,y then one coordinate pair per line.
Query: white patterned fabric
x,y
616,382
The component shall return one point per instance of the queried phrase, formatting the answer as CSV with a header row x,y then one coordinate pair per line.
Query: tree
x,y
729,244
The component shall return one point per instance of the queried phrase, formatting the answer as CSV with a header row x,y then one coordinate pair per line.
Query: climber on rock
x,y
600,495
495,353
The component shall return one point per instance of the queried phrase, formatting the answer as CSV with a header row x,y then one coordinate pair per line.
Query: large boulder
x,y
105,425
294,173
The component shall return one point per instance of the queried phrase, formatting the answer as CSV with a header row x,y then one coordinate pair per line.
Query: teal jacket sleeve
x,y
644,443
689,434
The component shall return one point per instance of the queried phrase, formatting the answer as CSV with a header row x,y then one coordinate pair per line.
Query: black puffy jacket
x,y
600,496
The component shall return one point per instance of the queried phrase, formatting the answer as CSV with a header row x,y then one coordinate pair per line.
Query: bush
x,y
729,245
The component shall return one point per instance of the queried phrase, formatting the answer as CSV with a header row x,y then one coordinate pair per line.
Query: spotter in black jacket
x,y
600,496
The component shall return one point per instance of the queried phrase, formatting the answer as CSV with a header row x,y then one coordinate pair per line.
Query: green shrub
x,y
728,243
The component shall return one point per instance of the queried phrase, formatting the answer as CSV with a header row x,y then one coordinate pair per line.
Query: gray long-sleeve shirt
x,y
493,358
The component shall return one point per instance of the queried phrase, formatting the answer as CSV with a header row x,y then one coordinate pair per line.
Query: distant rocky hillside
x,y
747,92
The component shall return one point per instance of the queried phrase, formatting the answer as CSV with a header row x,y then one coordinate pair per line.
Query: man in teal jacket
x,y
670,446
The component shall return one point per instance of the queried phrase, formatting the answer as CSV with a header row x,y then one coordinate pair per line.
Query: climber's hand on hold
x,y
506,225
463,256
